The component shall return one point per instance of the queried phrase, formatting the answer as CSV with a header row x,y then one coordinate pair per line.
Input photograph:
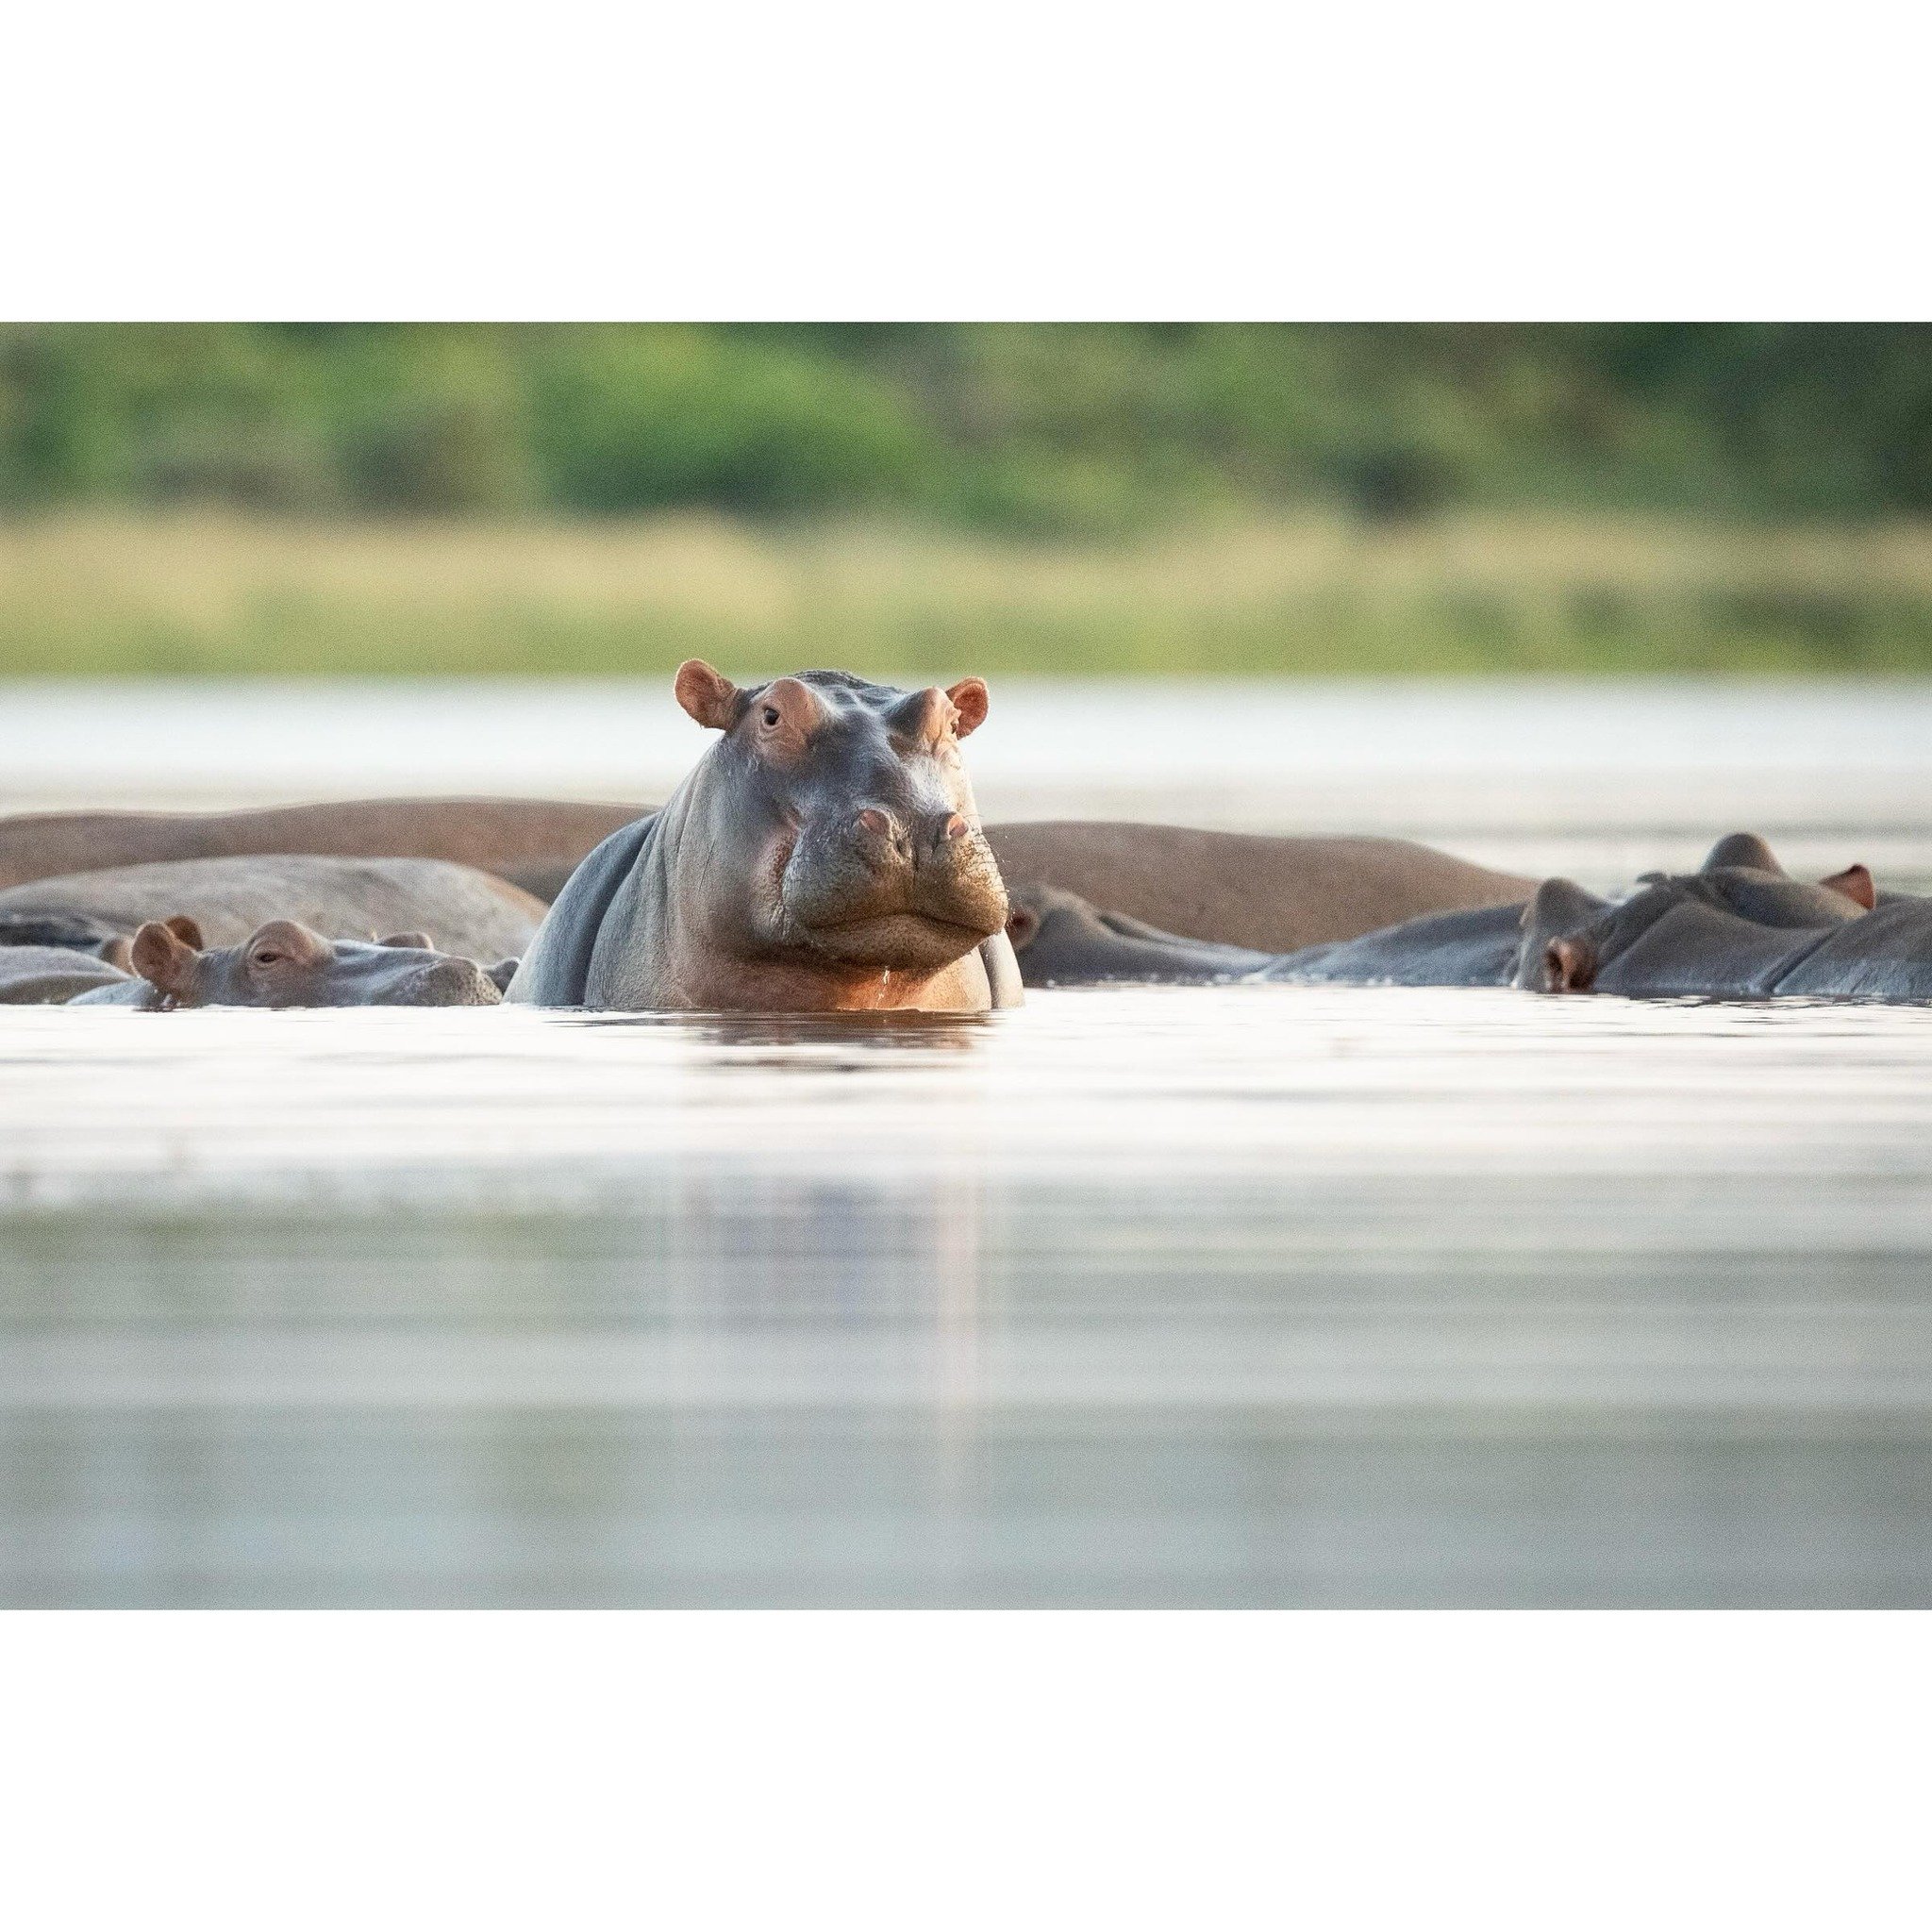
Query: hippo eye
x,y
771,714
266,955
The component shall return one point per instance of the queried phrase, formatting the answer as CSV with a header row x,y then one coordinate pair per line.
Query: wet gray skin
x,y
470,912
824,855
1738,930
1063,941
285,964
1741,924
51,975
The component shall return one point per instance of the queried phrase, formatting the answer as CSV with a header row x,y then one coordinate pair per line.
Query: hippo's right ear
x,y
707,694
1023,925
502,974
1855,883
163,957
186,930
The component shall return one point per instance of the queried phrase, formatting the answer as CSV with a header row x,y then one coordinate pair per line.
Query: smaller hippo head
x,y
837,822
285,964
1569,936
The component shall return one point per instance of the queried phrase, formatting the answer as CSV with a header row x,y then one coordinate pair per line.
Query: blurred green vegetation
x,y
1052,430
911,499
217,594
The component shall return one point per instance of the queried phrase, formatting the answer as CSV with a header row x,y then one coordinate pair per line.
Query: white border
x,y
412,159
957,1771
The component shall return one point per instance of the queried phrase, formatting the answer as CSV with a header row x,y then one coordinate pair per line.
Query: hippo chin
x,y
286,964
823,855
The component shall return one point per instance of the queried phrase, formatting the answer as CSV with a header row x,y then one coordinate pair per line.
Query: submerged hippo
x,y
471,912
823,855
51,975
1263,893
1741,926
1063,941
287,964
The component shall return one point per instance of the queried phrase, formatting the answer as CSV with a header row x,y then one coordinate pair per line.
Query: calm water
x,y
1267,1295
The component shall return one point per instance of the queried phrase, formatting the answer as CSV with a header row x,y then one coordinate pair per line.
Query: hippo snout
x,y
452,982
886,888
879,832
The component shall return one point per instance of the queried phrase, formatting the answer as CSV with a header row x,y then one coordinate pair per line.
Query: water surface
x,y
1265,1295
1270,1295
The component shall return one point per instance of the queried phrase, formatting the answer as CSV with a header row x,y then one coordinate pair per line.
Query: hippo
x,y
1261,894
471,912
284,964
1059,939
77,932
823,855
1266,894
1063,941
51,975
1741,926
536,843
1741,909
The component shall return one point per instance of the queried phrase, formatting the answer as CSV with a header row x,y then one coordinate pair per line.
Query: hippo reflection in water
x,y
286,964
823,855
1739,926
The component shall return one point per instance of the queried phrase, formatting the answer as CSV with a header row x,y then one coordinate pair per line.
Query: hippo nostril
x,y
874,823
954,827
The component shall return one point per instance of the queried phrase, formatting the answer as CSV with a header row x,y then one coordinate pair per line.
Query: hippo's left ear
x,y
970,700
164,959
1741,849
502,974
1568,964
707,694
415,941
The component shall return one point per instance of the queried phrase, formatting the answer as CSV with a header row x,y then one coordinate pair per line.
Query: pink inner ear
x,y
161,958
707,694
971,702
1856,884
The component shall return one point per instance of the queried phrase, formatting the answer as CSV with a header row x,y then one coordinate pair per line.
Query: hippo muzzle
x,y
892,889
449,982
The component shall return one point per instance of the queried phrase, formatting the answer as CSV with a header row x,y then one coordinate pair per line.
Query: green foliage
x,y
1038,431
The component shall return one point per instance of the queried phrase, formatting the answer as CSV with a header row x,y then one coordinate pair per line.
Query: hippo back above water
x,y
469,911
823,855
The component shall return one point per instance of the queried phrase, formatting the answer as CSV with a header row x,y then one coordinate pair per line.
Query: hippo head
x,y
844,808
284,964
1570,935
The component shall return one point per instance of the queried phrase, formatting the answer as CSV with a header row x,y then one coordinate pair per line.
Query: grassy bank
x,y
221,596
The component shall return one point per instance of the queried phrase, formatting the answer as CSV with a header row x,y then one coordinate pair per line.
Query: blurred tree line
x,y
1058,428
